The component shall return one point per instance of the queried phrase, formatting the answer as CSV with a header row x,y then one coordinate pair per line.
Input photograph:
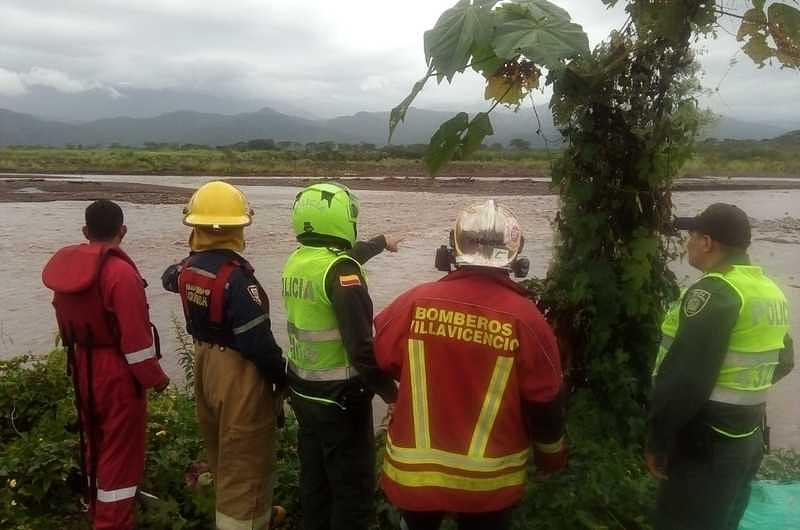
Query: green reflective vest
x,y
756,340
316,351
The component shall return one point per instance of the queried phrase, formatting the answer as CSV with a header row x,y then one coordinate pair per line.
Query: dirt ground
x,y
41,190
47,189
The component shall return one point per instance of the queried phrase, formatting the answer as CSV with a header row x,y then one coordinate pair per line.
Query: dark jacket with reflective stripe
x,y
680,411
246,323
353,308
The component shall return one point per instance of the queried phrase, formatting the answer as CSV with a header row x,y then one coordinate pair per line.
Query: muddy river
x,y
31,232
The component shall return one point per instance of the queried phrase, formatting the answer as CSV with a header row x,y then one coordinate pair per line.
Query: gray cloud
x,y
329,57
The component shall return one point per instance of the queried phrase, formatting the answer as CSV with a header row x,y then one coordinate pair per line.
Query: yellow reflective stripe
x,y
330,374
731,435
307,335
413,455
319,399
420,479
738,396
419,393
491,405
735,359
555,447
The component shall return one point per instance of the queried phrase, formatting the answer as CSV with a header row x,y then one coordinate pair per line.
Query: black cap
x,y
725,223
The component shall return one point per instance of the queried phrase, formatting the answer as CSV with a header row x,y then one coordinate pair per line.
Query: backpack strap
x,y
216,304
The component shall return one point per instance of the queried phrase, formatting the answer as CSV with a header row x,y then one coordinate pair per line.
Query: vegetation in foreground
x,y
605,485
779,157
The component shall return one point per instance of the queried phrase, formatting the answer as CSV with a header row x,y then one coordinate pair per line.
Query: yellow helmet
x,y
217,205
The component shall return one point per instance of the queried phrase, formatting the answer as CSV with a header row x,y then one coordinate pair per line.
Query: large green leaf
x,y
448,46
784,26
781,22
485,61
445,142
398,113
787,17
539,30
758,49
479,128
754,22
544,9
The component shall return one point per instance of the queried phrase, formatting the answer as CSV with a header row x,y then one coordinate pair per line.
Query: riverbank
x,y
48,188
776,158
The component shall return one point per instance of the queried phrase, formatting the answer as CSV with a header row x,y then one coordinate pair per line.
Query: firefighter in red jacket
x,y
480,378
103,320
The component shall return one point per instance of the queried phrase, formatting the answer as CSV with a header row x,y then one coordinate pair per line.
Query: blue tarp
x,y
773,506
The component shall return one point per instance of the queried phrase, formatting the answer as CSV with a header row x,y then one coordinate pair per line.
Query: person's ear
x,y
122,231
85,231
708,243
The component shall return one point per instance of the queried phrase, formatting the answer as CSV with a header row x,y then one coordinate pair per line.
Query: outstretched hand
x,y
393,242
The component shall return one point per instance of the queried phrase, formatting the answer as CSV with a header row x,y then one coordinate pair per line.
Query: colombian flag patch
x,y
349,280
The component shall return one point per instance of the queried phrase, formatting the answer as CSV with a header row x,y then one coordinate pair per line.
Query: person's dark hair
x,y
103,220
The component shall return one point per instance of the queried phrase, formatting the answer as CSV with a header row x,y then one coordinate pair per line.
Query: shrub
x,y
604,486
39,470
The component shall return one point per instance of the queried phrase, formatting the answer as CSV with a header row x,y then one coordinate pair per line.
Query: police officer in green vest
x,y
725,343
332,371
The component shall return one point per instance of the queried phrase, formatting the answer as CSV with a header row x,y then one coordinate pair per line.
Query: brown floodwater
x,y
31,232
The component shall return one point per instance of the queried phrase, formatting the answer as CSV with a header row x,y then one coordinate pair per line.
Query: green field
x,y
776,157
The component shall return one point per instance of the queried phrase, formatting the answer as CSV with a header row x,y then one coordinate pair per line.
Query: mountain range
x,y
191,127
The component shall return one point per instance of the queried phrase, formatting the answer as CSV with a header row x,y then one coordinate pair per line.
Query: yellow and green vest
x,y
316,351
755,342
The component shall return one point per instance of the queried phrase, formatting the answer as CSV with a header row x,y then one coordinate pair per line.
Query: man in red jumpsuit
x,y
103,320
480,379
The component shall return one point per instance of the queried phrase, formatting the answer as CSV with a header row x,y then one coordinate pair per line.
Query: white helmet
x,y
487,235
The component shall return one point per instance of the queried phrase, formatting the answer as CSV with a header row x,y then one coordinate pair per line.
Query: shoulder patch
x,y
696,301
253,291
349,280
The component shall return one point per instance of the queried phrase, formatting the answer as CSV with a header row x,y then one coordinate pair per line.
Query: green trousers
x,y
709,490
337,464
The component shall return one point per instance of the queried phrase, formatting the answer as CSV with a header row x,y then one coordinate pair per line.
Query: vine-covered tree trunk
x,y
629,116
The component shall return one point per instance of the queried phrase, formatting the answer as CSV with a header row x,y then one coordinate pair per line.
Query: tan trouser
x,y
235,413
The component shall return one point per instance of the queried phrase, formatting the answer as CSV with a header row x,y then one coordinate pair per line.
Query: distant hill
x,y
733,129
791,138
189,127
210,129
24,129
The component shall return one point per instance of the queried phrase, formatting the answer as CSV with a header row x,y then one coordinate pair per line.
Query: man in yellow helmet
x,y
332,372
725,343
238,366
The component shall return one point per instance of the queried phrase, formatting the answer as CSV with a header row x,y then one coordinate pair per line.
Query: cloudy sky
x,y
322,57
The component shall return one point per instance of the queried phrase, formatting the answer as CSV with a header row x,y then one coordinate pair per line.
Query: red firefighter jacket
x,y
100,303
471,354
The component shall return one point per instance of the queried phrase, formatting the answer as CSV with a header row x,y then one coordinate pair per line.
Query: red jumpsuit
x,y
88,277
480,379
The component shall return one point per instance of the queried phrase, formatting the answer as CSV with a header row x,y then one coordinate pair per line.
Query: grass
x,y
726,158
